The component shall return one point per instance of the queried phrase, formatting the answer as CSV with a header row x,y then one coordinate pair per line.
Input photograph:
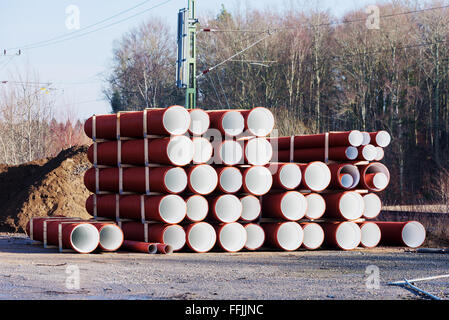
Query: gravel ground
x,y
30,272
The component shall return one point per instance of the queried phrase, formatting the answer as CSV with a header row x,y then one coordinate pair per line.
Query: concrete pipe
x,y
344,176
316,206
257,180
202,179
374,177
225,208
200,122
251,208
347,205
197,208
174,120
201,237
287,236
258,151
259,121
373,206
343,235
203,150
380,139
286,176
316,176
371,234
230,179
163,180
313,235
255,236
228,122
410,234
231,237
291,206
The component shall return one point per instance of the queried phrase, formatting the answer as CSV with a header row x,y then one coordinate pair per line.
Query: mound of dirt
x,y
46,187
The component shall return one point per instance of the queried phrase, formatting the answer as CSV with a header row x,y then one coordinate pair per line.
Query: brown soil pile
x,y
47,187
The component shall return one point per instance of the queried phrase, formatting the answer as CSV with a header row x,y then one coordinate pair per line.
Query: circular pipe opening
x,y
230,153
316,206
413,234
258,151
152,249
176,120
348,235
369,152
383,139
373,206
200,122
377,176
251,208
228,208
180,150
355,138
351,205
175,180
174,236
313,236
201,237
203,179
290,236
231,180
260,122
232,237
258,180
197,208
347,181
371,235
317,176
203,150
233,123
366,138
293,206
380,153
111,237
85,238
173,209
351,153
354,172
255,236
290,176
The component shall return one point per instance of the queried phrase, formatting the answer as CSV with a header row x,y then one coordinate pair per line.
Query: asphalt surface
x,y
28,271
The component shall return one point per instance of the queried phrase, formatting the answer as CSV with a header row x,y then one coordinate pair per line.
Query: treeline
x,y
318,73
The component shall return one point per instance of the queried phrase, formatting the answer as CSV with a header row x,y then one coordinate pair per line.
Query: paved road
x,y
27,271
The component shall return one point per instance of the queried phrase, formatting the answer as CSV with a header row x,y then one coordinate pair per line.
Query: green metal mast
x,y
191,91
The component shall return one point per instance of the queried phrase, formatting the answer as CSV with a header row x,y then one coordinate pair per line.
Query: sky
x,y
76,68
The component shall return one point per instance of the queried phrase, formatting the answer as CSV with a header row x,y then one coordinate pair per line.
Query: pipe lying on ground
x,y
174,120
173,235
373,206
374,177
367,153
257,180
176,151
255,236
145,247
229,123
344,176
203,150
81,237
171,209
343,235
200,237
111,235
230,179
259,121
371,234
197,208
319,154
410,234
316,176
225,208
380,139
352,138
200,122
291,206
164,180
258,151
229,153
316,206
202,179
287,236
347,205
251,208
231,237
313,235
286,176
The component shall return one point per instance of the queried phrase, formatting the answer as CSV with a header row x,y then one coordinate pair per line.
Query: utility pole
x,y
186,64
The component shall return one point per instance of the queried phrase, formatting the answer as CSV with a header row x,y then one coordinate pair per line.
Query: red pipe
x,y
316,206
336,139
197,208
410,234
259,121
203,150
174,120
255,236
200,122
380,139
229,153
258,151
202,179
287,236
373,206
252,208
231,237
176,151
173,235
145,247
368,174
257,180
164,180
200,237
367,153
286,176
290,206
343,235
313,235
346,205
338,172
230,179
316,176
228,122
225,208
170,209
380,154
371,234
318,154
366,138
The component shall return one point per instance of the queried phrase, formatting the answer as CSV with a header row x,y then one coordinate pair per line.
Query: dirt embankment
x,y
44,187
